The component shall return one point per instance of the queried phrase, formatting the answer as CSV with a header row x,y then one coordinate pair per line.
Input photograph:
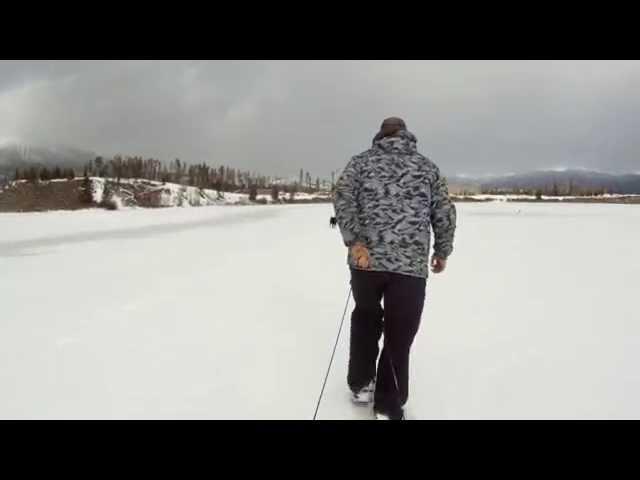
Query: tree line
x,y
221,178
553,190
34,173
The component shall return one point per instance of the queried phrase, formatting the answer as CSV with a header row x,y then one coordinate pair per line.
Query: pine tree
x,y
116,167
99,165
107,197
45,175
274,193
86,195
106,193
33,174
165,176
221,179
253,192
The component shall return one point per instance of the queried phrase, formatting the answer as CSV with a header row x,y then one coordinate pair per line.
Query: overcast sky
x,y
275,117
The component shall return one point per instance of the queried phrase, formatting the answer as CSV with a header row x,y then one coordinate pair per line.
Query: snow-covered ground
x,y
232,312
173,194
508,196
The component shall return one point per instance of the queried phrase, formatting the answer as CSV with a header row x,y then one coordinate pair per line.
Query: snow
x,y
500,198
298,196
117,201
175,195
302,196
506,197
98,189
232,313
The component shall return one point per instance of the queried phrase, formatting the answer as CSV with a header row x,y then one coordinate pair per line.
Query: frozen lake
x,y
232,313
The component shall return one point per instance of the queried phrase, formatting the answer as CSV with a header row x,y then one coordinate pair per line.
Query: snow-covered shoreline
x,y
23,196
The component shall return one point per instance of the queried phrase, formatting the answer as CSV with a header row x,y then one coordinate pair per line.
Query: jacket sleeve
x,y
443,217
346,203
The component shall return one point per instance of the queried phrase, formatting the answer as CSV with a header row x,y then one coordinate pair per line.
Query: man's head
x,y
391,126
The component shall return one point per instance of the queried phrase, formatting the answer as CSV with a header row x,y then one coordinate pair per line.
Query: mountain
x,y
577,179
14,156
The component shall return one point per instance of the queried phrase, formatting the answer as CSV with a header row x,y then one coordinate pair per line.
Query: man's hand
x,y
438,264
360,254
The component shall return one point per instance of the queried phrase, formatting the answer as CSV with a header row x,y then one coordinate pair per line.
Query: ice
x,y
232,313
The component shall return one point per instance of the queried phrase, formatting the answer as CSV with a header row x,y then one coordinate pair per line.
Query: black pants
x,y
403,303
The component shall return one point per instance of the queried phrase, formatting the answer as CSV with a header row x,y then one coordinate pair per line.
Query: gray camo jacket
x,y
390,197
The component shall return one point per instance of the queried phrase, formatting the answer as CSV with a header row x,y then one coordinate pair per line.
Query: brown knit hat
x,y
390,126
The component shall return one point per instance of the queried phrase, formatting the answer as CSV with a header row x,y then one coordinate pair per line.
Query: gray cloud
x,y
279,116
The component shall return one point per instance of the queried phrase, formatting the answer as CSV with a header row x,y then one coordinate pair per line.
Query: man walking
x,y
387,201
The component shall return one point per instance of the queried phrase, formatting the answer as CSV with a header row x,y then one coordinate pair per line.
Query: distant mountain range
x,y
14,156
576,179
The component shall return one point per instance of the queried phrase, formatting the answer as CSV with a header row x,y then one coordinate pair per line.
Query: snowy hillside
x,y
133,192
62,194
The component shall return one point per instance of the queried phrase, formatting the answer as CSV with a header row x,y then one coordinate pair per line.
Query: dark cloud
x,y
275,117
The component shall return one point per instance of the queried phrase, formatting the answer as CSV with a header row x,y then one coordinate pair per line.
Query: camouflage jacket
x,y
390,197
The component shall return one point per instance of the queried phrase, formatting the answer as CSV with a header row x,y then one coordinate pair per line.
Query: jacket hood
x,y
402,142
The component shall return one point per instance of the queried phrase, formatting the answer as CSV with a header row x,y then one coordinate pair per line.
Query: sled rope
x,y
332,354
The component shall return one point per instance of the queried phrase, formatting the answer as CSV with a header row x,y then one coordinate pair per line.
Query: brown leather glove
x,y
360,254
